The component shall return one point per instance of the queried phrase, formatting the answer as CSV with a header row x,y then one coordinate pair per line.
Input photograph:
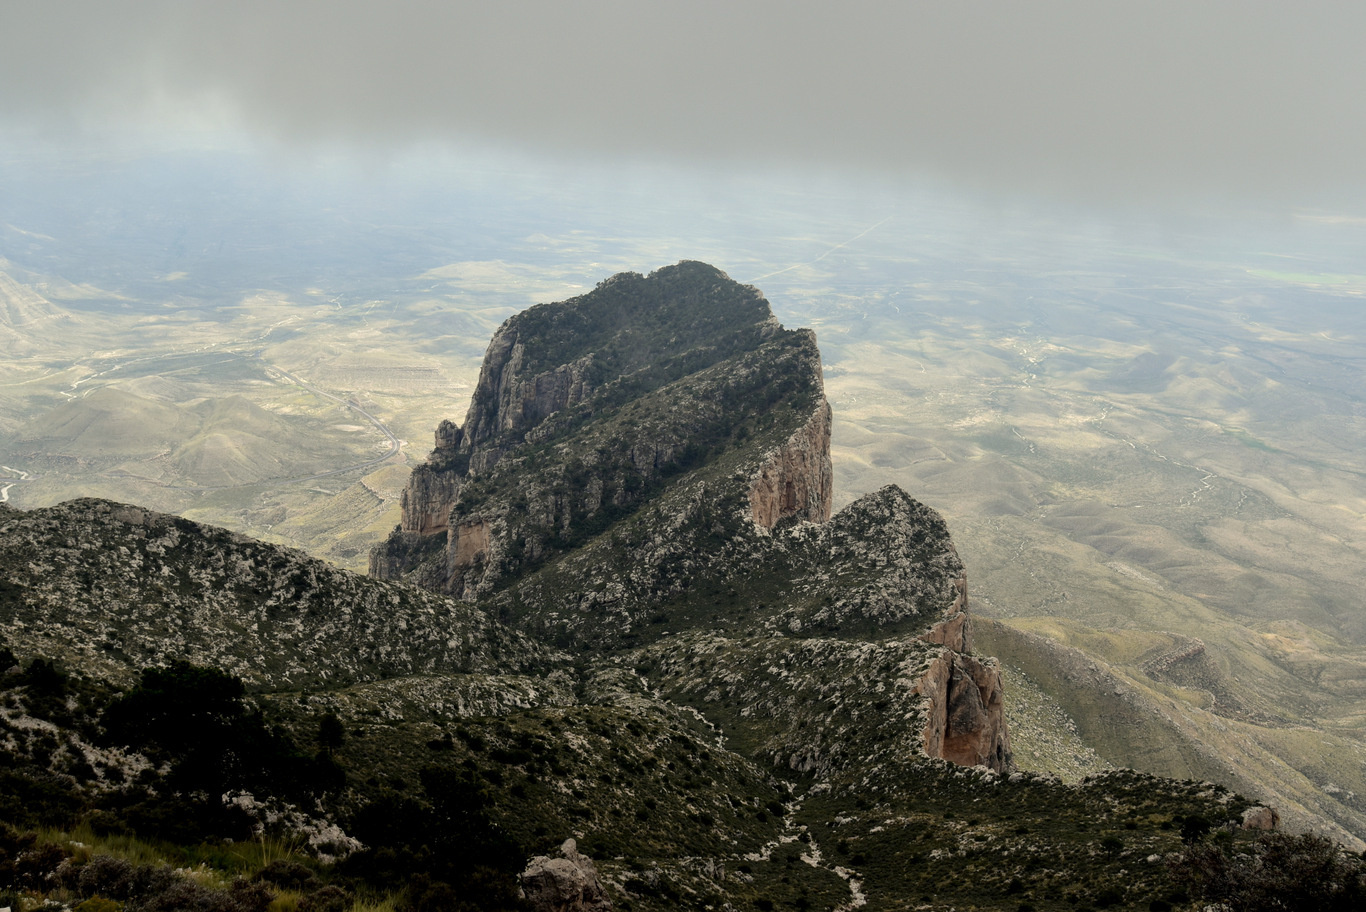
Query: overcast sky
x,y
1251,102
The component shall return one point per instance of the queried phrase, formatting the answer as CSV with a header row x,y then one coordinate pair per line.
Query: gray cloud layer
x,y
1260,102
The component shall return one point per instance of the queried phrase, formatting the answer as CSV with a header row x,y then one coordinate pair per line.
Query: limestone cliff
x,y
653,459
510,400
965,711
797,479
597,401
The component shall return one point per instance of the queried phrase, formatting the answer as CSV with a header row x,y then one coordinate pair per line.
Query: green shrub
x,y
1307,873
1194,828
98,904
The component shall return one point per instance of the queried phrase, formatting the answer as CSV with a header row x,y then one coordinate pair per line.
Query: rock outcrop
x,y
597,401
568,883
426,501
965,710
798,479
1261,817
653,458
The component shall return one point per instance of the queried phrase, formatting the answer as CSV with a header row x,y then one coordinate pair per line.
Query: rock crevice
x,y
965,709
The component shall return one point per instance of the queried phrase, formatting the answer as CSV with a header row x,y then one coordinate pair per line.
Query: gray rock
x,y
1261,818
566,884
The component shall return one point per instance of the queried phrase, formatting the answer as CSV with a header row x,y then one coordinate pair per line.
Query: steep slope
x,y
109,588
1132,720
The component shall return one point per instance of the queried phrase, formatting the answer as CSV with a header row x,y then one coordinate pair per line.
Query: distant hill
x,y
27,319
204,444
107,423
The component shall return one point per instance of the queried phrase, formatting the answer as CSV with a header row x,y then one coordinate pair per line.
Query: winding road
x,y
4,489
394,443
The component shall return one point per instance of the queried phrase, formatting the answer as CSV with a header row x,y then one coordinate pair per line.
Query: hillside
x,y
29,323
108,589
666,648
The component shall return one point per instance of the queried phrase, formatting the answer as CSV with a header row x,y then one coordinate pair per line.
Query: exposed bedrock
x,y
797,479
966,712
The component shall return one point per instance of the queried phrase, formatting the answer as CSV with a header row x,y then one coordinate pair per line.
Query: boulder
x,y
565,884
1261,818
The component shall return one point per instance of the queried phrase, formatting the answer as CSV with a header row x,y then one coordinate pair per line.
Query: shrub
x,y
195,718
1194,828
331,733
330,898
33,866
44,678
287,875
105,875
1110,896
1276,871
98,904
176,707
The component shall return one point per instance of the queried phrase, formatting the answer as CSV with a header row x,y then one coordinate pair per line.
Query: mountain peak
x,y
653,458
633,383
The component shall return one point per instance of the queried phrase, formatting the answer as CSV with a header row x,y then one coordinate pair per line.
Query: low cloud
x,y
1131,101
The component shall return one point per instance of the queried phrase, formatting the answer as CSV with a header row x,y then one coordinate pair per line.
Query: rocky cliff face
x,y
595,403
965,711
797,480
510,400
628,472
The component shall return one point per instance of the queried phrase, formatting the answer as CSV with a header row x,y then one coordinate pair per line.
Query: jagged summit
x,y
597,402
627,337
653,458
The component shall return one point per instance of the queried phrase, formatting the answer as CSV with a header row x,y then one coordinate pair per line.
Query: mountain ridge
x,y
671,652
702,498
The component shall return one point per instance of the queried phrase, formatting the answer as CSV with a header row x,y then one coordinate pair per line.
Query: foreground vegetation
x,y
115,799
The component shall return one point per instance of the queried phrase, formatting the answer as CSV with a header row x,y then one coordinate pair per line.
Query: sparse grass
x,y
219,862
85,842
387,903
